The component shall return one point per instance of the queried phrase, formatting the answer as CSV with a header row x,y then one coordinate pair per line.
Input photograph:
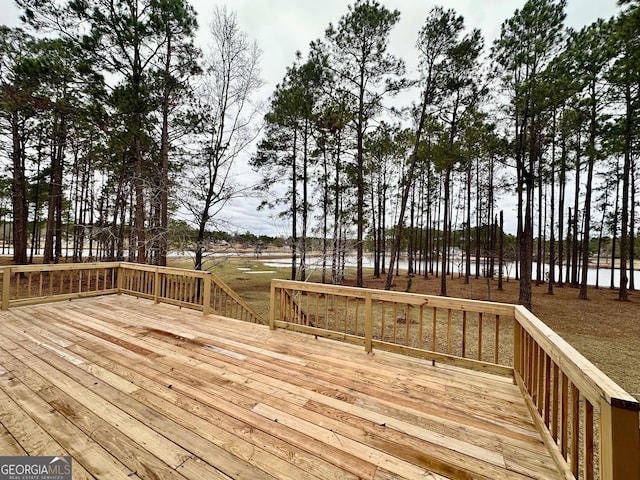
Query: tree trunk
x,y
161,236
445,232
19,191
587,197
375,229
552,238
360,127
539,246
575,245
294,208
139,223
467,269
53,234
305,203
325,213
614,240
626,174
335,259
600,235
501,250
569,245
632,235
561,197
35,240
407,184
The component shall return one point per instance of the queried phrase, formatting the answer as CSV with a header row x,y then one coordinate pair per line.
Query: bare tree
x,y
226,121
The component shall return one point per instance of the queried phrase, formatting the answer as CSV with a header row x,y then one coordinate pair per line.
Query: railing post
x,y
6,287
517,346
119,279
619,442
156,286
206,294
272,308
368,322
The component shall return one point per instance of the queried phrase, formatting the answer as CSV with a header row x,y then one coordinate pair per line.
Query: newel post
x,y
119,279
206,294
619,441
6,287
156,286
368,325
517,346
272,307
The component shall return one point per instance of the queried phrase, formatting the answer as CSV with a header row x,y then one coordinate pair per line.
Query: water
x,y
603,274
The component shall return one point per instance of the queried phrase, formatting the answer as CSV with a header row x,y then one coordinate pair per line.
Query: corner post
x,y
619,441
517,346
119,279
6,287
272,307
368,325
206,294
156,286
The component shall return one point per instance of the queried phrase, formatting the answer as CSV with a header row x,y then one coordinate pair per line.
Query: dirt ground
x,y
602,328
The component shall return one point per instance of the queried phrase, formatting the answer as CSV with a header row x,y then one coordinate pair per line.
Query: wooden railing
x,y
184,288
226,302
467,333
590,425
30,284
576,406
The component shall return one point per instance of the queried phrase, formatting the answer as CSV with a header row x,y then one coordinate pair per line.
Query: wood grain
x,y
133,389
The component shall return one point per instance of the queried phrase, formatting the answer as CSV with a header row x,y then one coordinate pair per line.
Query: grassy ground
x,y
603,329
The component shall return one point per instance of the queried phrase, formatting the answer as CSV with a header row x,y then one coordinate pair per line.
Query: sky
x,y
283,27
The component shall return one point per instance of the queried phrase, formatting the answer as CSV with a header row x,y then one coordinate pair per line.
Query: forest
x,y
119,139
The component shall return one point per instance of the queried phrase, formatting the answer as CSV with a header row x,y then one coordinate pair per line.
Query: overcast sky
x,y
282,27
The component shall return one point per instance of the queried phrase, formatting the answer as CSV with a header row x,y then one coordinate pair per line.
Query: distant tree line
x,y
547,114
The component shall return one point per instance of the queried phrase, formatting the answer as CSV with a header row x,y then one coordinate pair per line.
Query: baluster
x,y
497,342
449,331
575,430
588,440
464,334
480,336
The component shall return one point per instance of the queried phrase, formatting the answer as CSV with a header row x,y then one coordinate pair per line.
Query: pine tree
x,y
367,73
526,45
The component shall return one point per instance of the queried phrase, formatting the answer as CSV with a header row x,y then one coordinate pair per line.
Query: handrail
x,y
47,267
228,303
593,383
571,401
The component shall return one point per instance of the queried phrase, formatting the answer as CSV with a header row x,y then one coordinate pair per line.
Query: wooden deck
x,y
133,389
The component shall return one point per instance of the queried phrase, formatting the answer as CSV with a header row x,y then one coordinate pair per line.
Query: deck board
x,y
132,389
